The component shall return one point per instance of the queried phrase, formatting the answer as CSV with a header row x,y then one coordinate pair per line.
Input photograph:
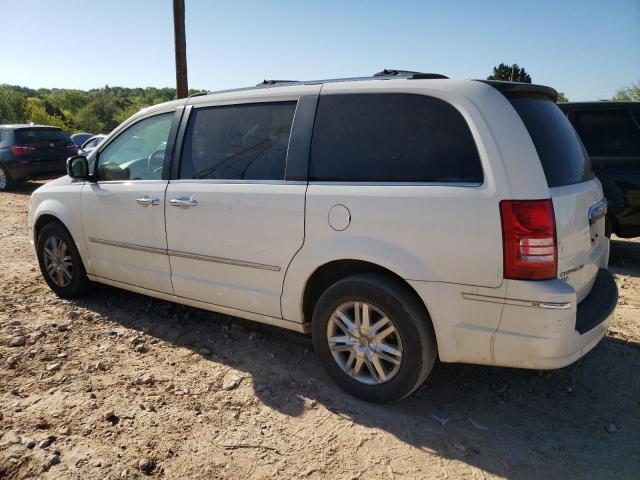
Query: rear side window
x,y
564,159
392,138
608,132
37,135
238,142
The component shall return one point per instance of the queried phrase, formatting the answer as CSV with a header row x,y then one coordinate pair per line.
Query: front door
x,y
123,212
233,222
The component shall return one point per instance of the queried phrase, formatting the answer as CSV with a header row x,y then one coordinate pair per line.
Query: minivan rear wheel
x,y
374,337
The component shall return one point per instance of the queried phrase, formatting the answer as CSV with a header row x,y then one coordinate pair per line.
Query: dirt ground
x,y
118,385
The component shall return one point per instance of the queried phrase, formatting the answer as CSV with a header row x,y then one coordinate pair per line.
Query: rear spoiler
x,y
516,88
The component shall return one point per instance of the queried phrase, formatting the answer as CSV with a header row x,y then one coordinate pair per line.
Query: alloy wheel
x,y
364,342
57,261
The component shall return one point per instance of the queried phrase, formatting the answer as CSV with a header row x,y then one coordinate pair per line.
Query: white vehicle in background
x,y
91,143
399,218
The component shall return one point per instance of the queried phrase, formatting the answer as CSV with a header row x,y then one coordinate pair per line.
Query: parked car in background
x,y
32,151
610,131
399,218
80,138
88,146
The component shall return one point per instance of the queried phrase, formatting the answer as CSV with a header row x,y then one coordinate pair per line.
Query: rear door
x,y
235,218
578,201
49,149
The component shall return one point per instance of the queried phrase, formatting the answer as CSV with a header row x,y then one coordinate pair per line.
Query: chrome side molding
x,y
227,261
193,256
131,246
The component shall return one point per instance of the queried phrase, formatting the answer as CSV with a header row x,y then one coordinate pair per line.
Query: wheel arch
x,y
51,210
333,271
43,220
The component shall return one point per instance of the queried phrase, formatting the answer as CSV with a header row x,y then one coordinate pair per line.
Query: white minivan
x,y
398,218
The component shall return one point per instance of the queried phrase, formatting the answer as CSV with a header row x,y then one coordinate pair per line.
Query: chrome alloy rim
x,y
57,261
364,342
3,179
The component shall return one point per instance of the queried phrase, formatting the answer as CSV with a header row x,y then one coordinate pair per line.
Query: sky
x,y
587,49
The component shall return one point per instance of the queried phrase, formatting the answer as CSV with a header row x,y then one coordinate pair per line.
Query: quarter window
x,y
392,138
138,152
238,142
608,132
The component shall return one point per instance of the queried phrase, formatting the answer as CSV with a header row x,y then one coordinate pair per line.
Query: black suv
x,y
32,151
610,132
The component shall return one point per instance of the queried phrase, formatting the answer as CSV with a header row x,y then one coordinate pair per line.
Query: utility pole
x,y
182,87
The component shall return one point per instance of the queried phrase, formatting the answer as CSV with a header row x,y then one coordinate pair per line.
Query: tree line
x,y
100,110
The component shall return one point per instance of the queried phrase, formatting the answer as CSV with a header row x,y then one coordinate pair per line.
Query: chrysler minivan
x,y
399,219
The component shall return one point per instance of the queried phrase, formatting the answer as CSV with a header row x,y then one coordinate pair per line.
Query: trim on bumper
x,y
517,302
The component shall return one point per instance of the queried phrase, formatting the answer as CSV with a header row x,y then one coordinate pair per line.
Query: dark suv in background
x,y
610,132
32,151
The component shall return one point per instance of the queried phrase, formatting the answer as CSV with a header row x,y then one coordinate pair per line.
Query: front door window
x,y
138,152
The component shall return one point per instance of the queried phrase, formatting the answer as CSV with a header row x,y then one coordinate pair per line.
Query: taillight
x,y
21,151
73,149
529,239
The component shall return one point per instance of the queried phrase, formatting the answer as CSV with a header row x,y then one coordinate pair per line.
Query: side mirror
x,y
78,167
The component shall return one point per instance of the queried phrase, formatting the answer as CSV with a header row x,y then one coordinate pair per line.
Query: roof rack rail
x,y
409,74
275,82
198,94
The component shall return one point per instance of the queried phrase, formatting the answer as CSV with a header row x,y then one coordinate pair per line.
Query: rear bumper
x,y
557,338
523,324
20,171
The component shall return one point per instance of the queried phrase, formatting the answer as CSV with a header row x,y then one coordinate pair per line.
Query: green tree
x,y
562,98
11,105
98,110
630,93
513,73
36,112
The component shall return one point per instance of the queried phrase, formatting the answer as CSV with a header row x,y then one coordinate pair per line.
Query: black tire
x,y
79,283
407,314
8,183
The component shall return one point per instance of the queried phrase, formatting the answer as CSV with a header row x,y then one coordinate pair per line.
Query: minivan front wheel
x,y
60,262
373,337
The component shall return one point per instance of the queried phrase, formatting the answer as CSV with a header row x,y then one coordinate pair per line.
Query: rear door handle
x,y
183,202
148,201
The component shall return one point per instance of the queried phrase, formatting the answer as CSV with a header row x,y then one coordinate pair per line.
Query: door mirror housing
x,y
78,167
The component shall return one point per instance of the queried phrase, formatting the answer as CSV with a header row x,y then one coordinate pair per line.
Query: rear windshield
x,y
35,135
564,159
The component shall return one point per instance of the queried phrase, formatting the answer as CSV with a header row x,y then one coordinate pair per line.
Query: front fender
x,y
66,212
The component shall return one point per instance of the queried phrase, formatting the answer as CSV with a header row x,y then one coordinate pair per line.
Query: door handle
x,y
147,201
183,202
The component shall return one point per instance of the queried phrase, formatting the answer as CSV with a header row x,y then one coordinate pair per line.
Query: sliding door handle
x,y
183,202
